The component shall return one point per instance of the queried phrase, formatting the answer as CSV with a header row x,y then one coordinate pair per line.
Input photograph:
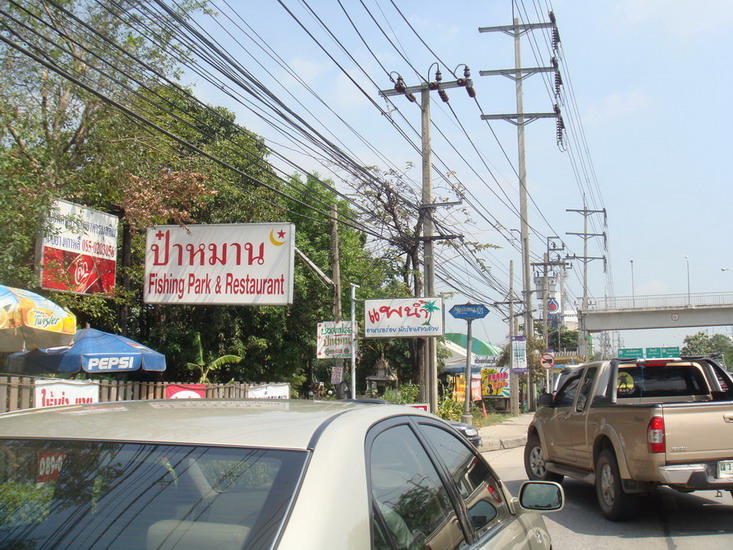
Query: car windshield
x,y
92,494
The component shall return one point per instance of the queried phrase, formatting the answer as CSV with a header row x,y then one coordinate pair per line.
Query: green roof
x,y
478,347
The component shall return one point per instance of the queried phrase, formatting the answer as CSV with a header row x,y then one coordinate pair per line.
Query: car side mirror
x,y
541,496
546,400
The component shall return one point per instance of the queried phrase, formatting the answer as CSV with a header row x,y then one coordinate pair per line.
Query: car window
x,y
77,494
584,392
566,395
478,487
411,506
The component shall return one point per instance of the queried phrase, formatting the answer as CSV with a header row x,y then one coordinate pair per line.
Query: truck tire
x,y
615,504
534,461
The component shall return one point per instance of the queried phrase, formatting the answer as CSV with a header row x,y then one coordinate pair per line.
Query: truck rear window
x,y
81,494
660,381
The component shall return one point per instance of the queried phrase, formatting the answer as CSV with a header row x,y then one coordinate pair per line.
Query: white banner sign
x,y
519,354
270,391
220,264
333,340
49,392
403,318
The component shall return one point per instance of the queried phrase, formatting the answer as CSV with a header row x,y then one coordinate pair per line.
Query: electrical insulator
x,y
555,38
400,85
443,95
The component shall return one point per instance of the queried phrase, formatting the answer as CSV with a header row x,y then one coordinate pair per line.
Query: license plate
x,y
725,468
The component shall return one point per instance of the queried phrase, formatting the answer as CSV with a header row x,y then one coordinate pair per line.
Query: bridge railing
x,y
661,301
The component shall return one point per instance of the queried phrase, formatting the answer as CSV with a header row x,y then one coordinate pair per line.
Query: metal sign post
x,y
468,312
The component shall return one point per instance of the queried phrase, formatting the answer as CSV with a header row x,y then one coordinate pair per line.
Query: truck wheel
x,y
615,504
534,461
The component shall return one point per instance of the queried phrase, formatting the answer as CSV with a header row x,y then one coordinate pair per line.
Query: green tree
x,y
702,344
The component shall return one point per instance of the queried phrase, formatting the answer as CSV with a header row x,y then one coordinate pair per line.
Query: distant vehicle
x,y
467,431
255,474
630,425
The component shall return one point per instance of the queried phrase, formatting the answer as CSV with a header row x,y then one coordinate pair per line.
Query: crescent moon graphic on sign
x,y
273,240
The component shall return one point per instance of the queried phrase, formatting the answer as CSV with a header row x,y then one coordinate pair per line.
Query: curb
x,y
505,443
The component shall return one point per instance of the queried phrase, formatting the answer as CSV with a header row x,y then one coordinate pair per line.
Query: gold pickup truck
x,y
628,426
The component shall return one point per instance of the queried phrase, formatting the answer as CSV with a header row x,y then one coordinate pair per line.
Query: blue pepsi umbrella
x,y
93,351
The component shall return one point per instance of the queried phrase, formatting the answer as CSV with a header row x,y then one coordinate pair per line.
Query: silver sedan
x,y
254,474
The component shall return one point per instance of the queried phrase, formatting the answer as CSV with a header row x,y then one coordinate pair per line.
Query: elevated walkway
x,y
660,311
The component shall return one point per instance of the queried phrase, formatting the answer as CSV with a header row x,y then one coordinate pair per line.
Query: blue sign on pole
x,y
469,311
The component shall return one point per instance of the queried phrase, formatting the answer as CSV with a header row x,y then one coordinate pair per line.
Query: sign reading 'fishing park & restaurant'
x,y
236,264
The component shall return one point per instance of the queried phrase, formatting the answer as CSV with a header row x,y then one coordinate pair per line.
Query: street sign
x,y
673,351
469,311
653,353
631,353
547,361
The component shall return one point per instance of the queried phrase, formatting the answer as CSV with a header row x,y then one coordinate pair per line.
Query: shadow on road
x,y
665,513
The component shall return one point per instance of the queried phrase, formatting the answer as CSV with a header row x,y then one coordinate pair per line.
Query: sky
x,y
646,88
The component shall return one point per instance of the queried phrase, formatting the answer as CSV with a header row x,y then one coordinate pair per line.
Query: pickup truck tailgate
x,y
699,431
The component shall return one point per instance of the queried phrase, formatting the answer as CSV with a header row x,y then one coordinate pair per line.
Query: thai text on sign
x,y
403,318
220,264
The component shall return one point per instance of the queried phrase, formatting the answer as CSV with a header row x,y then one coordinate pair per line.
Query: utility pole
x,y
585,235
513,377
336,277
521,119
429,388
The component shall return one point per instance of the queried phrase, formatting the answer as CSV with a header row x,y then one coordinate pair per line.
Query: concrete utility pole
x,y
429,368
520,119
585,235
513,377
336,276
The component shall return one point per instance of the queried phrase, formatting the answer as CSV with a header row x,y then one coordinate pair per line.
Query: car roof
x,y
277,423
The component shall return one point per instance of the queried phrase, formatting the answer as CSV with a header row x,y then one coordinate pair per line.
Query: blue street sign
x,y
469,311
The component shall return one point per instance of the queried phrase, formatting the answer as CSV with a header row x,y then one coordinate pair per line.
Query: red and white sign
x,y
547,361
185,391
49,466
48,392
403,318
220,264
79,250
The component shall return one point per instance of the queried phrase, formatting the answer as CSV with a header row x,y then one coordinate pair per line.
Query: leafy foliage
x,y
702,344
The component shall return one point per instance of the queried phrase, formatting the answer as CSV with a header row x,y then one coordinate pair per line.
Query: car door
x,y
483,498
557,436
411,507
576,421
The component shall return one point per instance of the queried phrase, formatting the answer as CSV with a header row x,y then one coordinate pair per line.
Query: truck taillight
x,y
655,435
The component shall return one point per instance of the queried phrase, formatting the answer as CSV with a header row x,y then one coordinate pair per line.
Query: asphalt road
x,y
669,520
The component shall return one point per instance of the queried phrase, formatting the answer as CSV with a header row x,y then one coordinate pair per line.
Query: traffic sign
x,y
653,353
547,361
469,311
631,353
673,351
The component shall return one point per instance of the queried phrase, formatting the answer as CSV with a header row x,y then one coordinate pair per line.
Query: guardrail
x,y
661,301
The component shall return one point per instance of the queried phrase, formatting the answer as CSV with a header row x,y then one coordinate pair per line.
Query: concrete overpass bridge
x,y
660,311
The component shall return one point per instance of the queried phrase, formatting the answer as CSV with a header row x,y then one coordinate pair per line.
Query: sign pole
x,y
353,340
468,312
467,417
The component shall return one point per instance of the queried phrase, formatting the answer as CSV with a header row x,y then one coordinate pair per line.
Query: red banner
x,y
185,391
